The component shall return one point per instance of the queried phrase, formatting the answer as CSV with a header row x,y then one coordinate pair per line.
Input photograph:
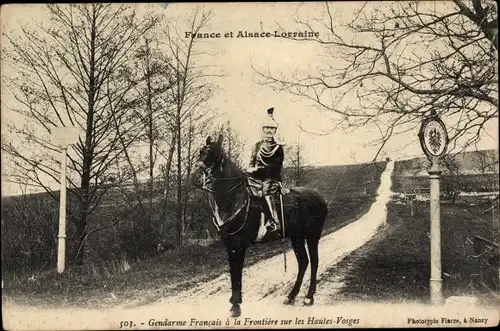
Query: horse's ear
x,y
209,140
219,141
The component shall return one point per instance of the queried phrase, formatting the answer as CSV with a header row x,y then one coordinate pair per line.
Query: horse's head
x,y
210,159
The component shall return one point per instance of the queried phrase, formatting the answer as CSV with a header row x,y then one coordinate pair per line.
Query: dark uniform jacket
x,y
268,157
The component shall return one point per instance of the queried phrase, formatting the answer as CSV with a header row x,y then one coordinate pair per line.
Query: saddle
x,y
258,189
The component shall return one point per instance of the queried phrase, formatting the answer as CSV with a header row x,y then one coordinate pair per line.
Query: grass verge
x,y
395,265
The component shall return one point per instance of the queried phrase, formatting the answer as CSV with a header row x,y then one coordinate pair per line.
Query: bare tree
x,y
75,72
296,162
154,79
485,161
391,63
452,184
233,143
187,99
196,133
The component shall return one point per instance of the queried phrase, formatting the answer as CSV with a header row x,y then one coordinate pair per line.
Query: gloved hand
x,y
283,190
252,169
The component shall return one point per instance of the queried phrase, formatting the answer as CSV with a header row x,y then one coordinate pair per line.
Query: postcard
x,y
250,165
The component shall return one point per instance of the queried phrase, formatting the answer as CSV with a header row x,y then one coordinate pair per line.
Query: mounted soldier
x,y
266,162
238,194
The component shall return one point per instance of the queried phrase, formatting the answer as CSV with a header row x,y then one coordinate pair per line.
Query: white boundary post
x,y
434,140
436,280
61,245
63,136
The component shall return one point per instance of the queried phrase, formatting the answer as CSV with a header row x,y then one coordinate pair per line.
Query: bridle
x,y
210,178
208,174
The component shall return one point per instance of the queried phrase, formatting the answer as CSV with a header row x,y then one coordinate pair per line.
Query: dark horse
x,y
239,219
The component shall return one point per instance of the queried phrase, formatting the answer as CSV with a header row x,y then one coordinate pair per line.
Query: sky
x,y
244,101
240,99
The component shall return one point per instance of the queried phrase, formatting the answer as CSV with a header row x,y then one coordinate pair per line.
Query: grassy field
x,y
395,265
121,282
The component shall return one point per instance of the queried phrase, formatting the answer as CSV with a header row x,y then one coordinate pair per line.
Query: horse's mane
x,y
233,165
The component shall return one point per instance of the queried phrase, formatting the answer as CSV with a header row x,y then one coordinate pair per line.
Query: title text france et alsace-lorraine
x,y
248,34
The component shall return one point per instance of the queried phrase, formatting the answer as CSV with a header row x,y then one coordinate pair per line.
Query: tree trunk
x,y
150,130
166,193
229,142
188,169
298,166
135,180
81,222
178,225
81,234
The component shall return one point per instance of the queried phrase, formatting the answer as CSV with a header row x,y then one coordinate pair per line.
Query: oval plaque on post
x,y
433,137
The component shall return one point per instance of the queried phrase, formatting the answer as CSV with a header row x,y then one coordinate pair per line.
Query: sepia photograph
x,y
250,165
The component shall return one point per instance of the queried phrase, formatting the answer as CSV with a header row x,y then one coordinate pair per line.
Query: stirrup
x,y
272,226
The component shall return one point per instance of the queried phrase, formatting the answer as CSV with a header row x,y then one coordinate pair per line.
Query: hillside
x,y
469,172
475,162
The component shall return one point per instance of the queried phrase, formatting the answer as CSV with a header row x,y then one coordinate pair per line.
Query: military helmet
x,y
269,121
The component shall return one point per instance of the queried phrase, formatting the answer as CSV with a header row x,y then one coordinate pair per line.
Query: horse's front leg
x,y
236,256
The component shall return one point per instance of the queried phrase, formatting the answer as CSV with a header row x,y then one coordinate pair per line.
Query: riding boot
x,y
275,223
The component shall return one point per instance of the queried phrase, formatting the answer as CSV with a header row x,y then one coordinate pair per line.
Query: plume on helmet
x,y
269,121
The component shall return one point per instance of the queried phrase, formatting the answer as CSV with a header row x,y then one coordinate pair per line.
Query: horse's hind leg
x,y
312,246
298,244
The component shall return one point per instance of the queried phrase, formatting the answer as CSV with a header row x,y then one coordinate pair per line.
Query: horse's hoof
x,y
308,301
289,301
235,311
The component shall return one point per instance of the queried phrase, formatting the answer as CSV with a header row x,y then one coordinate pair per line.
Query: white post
x,y
435,280
63,137
412,211
61,249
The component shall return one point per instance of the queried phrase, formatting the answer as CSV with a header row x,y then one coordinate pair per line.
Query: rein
x,y
216,217
207,189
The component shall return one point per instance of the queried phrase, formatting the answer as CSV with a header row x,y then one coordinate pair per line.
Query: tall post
x,y
63,137
61,249
435,220
433,138
412,208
